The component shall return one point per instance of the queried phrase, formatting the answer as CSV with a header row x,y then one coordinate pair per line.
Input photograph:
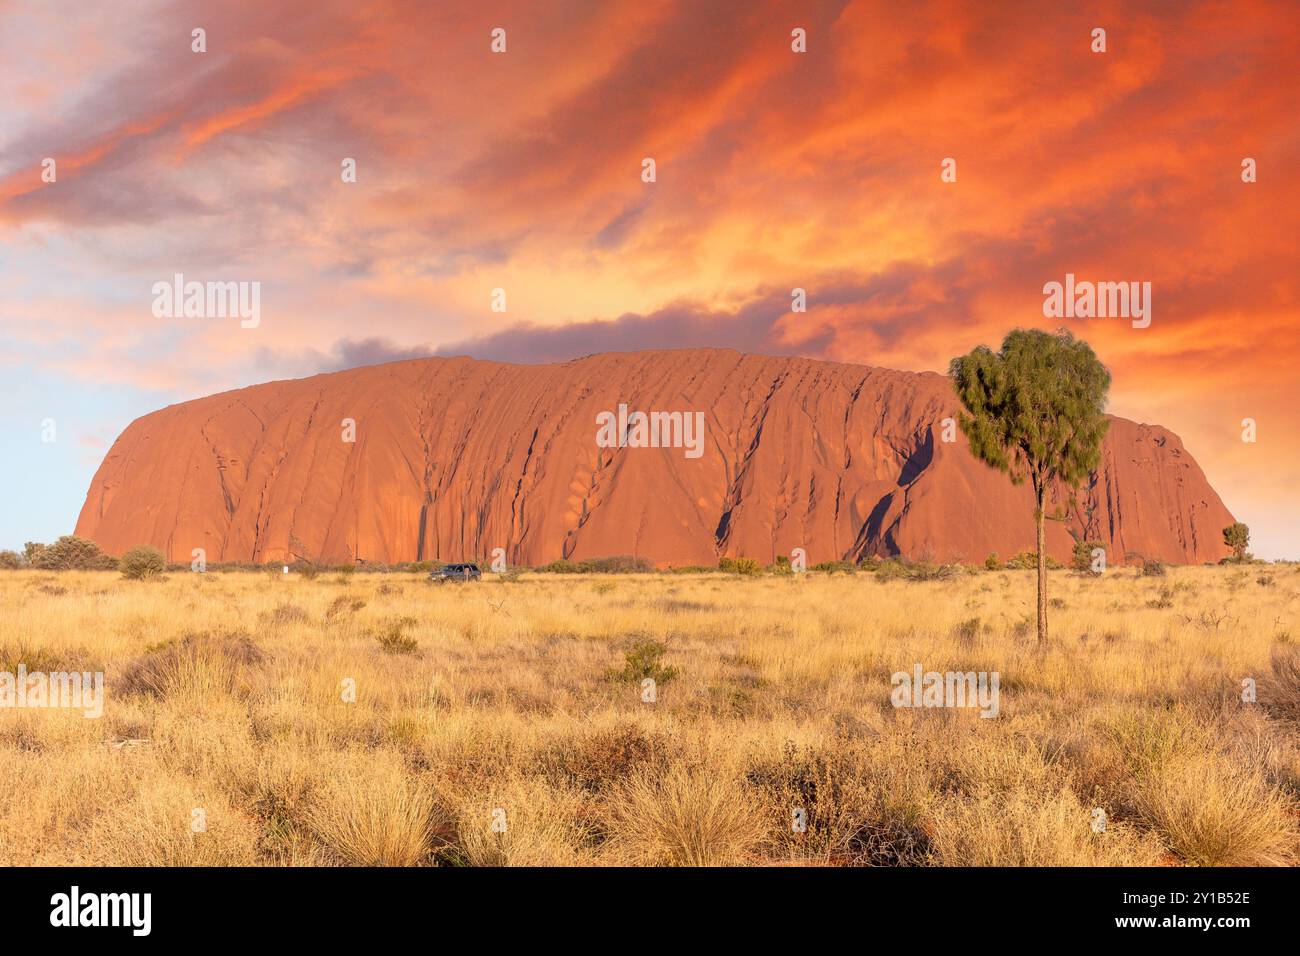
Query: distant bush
x,y
621,564
893,568
562,566
1152,568
747,566
10,561
692,569
991,563
1081,560
70,553
143,562
782,565
1028,561
830,567
307,569
618,564
225,566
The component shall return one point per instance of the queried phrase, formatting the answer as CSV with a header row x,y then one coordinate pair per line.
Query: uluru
x,y
452,458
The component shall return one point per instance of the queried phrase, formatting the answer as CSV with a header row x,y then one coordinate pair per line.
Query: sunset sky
x,y
522,171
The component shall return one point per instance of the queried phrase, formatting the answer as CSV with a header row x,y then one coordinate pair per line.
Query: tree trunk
x,y
1042,570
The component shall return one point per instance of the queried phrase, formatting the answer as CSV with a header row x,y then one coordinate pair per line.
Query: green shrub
x,y
1151,568
142,563
991,563
892,568
620,564
10,560
414,567
830,567
748,566
645,659
1081,560
1028,561
617,564
562,566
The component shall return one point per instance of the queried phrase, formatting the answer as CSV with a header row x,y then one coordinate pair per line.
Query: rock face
x,y
453,458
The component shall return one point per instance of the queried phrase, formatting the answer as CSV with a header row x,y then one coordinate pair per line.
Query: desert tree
x,y
1035,410
69,553
1237,537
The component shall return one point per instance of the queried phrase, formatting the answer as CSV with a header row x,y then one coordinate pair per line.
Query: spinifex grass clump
x,y
393,639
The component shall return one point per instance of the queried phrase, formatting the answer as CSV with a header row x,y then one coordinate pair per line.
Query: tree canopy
x,y
1036,408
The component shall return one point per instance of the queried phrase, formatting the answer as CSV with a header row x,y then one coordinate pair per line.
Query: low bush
x,y
831,567
894,568
142,563
618,564
1081,559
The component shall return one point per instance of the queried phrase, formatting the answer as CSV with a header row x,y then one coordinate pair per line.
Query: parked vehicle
x,y
456,572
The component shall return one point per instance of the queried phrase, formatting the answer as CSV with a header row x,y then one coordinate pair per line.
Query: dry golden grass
x,y
380,720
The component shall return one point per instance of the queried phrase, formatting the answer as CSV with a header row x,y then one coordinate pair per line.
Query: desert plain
x,y
262,718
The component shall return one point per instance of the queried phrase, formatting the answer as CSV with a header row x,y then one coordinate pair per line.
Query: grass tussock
x,y
197,666
376,816
684,817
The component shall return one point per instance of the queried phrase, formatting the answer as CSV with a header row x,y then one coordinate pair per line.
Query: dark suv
x,y
456,572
